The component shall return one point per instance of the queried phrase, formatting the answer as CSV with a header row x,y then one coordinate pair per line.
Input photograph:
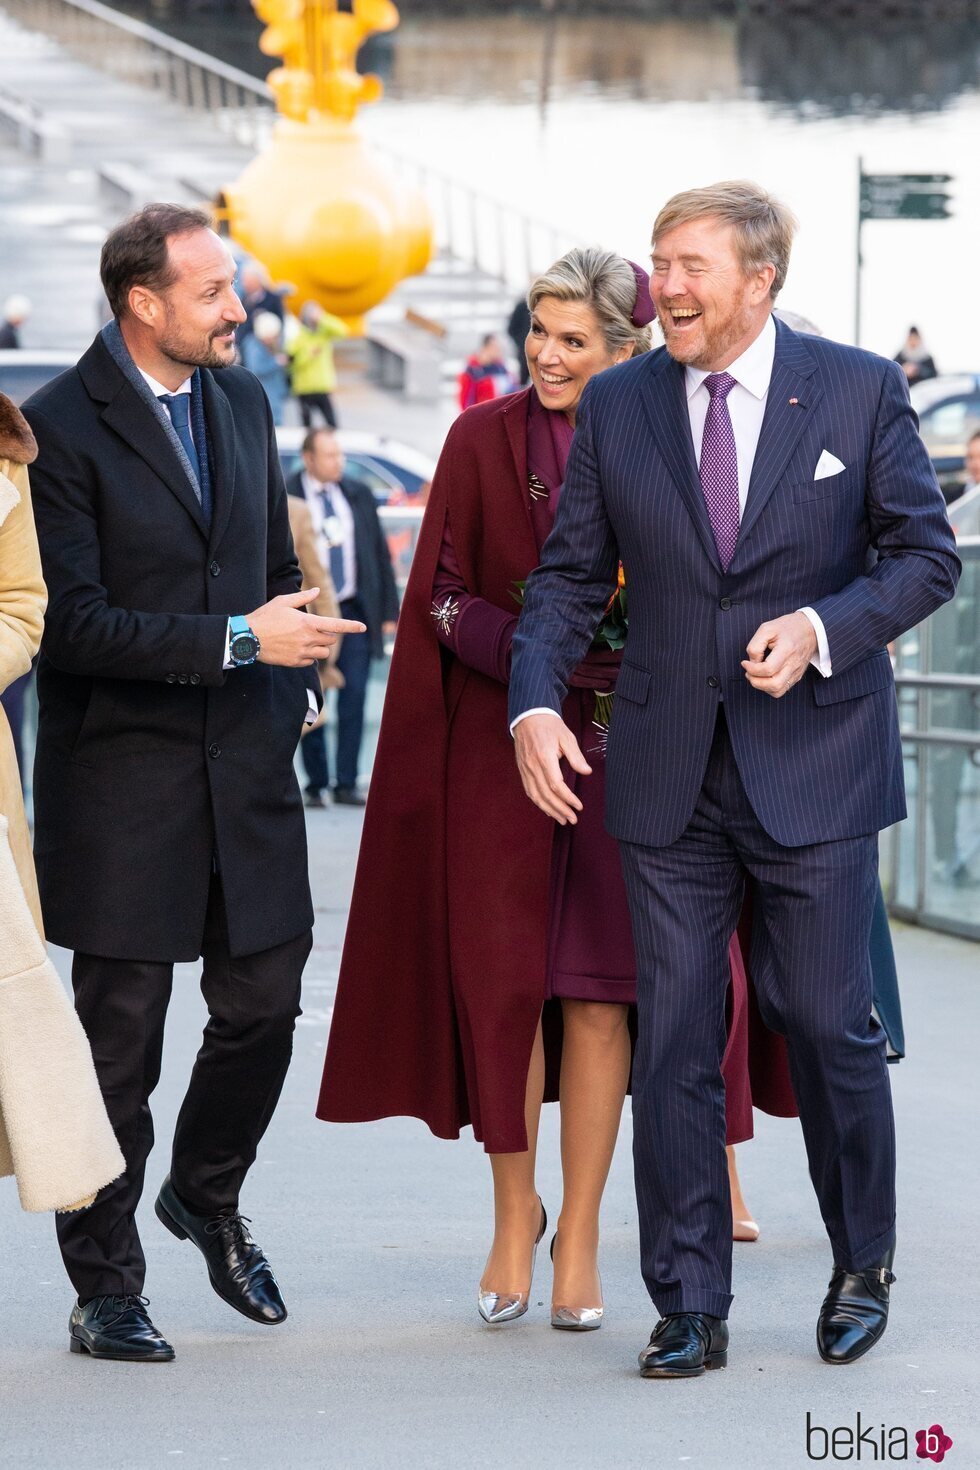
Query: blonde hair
x,y
605,282
763,226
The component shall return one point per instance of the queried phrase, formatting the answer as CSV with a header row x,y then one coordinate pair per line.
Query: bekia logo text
x,y
874,1442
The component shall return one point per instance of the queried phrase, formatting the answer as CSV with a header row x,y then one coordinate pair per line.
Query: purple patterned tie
x,y
719,467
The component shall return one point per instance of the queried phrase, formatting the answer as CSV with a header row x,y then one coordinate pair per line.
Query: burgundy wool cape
x,y
443,974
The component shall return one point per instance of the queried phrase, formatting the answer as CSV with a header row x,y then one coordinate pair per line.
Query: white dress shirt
x,y
746,406
343,532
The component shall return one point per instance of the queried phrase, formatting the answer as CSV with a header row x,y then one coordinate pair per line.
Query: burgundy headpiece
x,y
643,312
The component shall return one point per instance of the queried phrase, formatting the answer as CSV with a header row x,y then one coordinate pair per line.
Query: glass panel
x,y
952,880
931,862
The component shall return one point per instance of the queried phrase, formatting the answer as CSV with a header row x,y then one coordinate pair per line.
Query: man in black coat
x,y
177,669
354,549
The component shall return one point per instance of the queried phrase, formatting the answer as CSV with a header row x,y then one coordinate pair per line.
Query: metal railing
x,y
931,862
239,104
482,232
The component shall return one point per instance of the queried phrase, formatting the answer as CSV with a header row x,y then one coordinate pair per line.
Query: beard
x,y
197,352
703,346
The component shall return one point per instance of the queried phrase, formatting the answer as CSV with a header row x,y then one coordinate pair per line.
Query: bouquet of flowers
x,y
610,634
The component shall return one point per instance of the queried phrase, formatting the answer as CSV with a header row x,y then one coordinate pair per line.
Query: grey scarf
x,y
114,341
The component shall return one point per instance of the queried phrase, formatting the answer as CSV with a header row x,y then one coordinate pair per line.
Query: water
x,y
592,123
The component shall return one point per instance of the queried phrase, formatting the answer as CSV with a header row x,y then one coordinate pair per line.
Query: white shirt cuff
x,y
312,714
542,710
228,663
821,659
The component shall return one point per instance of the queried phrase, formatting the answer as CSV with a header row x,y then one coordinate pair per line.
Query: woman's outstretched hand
x,y
542,742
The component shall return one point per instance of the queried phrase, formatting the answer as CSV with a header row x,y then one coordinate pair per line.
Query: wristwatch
x,y
243,647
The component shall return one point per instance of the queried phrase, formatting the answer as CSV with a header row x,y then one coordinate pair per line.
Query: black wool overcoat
x,y
153,762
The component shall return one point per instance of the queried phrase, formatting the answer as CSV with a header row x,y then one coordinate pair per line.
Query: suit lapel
x,y
794,393
134,422
665,402
221,433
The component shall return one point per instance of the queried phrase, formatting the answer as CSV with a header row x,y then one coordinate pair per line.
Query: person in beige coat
x,y
55,1136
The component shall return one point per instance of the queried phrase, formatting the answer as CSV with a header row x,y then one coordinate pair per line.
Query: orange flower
x,y
622,575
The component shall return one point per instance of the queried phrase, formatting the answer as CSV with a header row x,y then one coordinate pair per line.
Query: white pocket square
x,y
827,464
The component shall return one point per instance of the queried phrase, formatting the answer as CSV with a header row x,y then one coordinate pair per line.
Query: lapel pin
x,y
794,402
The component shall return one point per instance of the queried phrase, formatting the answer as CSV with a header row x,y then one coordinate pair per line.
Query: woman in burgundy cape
x,y
489,962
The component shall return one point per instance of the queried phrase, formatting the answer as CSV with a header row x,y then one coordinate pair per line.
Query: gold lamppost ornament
x,y
316,207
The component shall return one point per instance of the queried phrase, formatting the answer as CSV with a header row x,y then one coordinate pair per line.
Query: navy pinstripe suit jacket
x,y
870,549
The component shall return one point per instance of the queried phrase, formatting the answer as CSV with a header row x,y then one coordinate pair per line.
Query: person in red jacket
x,y
486,375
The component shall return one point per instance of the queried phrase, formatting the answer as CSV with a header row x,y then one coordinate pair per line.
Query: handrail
x,y
484,233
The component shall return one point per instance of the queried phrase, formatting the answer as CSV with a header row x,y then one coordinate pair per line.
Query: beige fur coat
x,y
55,1136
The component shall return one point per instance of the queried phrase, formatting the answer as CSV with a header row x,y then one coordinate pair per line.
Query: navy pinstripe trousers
x,y
810,966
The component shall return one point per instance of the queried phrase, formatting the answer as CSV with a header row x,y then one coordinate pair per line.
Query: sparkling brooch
x,y
445,614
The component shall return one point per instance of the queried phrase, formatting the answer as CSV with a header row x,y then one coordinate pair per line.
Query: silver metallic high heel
x,y
575,1319
507,1306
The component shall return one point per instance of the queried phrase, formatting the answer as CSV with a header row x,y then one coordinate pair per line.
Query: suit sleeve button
x,y
195,678
214,751
182,679
171,678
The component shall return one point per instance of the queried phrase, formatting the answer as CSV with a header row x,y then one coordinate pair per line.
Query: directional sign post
x,y
896,196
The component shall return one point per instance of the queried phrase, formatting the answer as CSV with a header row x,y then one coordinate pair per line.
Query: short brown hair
x,y
312,435
135,253
764,227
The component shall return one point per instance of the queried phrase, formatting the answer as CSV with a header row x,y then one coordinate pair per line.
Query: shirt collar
x,y
158,390
752,371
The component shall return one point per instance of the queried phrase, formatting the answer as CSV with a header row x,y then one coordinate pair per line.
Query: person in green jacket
x,y
312,372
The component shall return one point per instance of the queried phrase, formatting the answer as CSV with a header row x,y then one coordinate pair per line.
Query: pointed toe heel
x,y
506,1306
574,1319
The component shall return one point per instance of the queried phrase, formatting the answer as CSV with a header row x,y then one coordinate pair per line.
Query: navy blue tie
x,y
336,552
179,405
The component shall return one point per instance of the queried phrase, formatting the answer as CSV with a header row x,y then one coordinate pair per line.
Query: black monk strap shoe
x,y
684,1344
238,1269
855,1311
117,1327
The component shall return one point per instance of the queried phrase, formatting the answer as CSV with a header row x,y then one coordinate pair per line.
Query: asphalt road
x,y
378,1233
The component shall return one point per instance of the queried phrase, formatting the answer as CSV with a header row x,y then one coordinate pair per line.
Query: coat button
x,y
214,569
713,681
195,678
214,751
725,604
182,679
171,678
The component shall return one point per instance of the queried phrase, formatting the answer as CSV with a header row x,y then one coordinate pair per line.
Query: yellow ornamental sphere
x,y
324,214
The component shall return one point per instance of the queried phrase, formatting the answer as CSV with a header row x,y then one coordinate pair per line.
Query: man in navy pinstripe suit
x,y
779,523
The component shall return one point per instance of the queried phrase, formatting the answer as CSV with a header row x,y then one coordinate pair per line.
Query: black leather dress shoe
x,y
117,1327
238,1269
855,1311
684,1344
347,796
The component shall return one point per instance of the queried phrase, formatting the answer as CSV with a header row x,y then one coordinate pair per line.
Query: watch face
x,y
243,648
